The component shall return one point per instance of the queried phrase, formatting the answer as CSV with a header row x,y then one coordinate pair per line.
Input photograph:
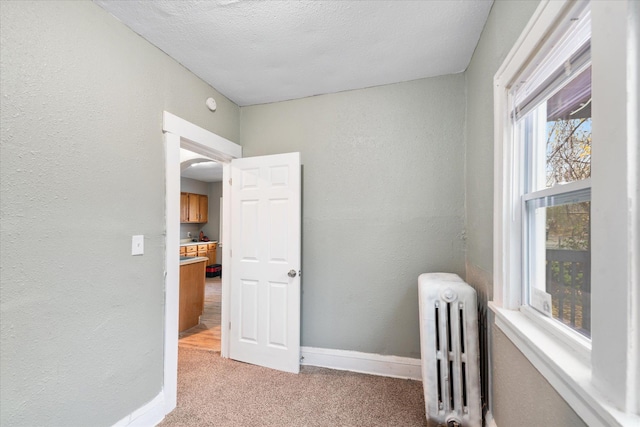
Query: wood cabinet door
x,y
184,207
194,207
191,299
212,253
203,203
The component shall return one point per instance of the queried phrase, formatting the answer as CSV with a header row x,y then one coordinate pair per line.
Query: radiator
x,y
449,347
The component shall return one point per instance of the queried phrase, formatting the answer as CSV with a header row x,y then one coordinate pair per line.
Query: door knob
x,y
292,273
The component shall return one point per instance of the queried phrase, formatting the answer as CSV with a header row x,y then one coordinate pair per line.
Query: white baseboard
x,y
366,363
147,415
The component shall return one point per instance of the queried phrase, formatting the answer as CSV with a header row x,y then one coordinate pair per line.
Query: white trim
x,y
489,421
579,343
172,269
612,238
181,133
559,189
542,20
225,260
199,138
366,363
564,368
147,415
633,164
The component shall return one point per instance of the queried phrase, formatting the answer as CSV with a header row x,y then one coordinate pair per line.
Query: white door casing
x,y
181,133
265,254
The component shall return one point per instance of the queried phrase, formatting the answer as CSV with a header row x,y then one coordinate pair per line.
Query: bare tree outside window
x,y
568,150
568,159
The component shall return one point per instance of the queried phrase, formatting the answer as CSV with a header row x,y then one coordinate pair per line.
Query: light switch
x,y
137,245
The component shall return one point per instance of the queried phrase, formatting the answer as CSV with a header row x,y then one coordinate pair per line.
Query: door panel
x,y
278,222
265,247
249,214
278,314
249,309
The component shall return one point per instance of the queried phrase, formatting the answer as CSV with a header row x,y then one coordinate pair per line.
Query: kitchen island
x,y
192,278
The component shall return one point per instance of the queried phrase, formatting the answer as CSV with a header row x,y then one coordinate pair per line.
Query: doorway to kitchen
x,y
179,133
200,232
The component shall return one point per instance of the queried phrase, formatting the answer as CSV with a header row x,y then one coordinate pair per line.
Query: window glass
x,y
561,280
568,145
557,138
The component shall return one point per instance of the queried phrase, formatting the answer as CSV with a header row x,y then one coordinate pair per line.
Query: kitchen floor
x,y
206,335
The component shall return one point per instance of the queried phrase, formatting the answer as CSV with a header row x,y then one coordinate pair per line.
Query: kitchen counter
x,y
197,243
199,249
193,260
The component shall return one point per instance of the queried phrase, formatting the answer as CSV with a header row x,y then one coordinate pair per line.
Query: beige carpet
x,y
213,391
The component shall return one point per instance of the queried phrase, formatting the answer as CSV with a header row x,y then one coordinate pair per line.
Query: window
x,y
552,112
566,229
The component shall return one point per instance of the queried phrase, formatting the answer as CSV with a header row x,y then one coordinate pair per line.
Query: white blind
x,y
564,59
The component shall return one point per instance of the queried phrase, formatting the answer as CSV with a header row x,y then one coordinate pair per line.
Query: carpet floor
x,y
213,391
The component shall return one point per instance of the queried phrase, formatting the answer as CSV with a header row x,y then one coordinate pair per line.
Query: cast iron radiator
x,y
449,348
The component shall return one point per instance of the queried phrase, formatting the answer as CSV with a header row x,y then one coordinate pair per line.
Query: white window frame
x,y
601,381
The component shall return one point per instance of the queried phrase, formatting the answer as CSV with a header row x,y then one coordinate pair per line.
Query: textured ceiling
x,y
257,52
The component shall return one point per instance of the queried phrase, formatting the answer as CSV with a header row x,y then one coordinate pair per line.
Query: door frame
x,y
179,133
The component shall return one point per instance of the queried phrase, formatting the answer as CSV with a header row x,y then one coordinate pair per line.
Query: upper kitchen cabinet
x,y
203,208
184,207
194,208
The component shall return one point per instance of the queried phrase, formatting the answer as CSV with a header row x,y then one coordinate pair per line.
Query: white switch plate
x,y
137,245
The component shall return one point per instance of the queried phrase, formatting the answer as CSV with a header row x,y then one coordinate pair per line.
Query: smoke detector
x,y
211,104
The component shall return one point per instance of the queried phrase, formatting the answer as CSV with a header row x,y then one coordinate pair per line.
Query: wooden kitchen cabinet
x,y
191,250
211,253
194,208
202,250
191,294
184,207
207,250
203,208
193,203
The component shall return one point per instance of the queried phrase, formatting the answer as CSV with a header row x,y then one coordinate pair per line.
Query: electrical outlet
x,y
137,245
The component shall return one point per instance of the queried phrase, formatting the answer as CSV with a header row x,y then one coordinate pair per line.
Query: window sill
x,y
564,367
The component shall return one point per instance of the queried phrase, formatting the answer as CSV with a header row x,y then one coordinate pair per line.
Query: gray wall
x,y
521,395
81,171
212,228
189,185
383,201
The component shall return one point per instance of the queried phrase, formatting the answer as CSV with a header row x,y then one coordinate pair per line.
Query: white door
x,y
265,261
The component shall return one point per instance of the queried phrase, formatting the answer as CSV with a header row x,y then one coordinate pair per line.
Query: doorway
x,y
266,196
179,133
201,179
